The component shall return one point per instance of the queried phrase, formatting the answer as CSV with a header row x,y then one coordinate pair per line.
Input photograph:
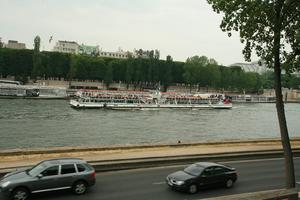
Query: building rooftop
x,y
70,42
12,41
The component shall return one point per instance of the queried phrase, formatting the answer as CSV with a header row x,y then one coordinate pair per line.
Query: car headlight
x,y
5,184
179,182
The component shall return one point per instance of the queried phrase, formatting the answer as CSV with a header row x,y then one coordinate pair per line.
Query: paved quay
x,y
27,157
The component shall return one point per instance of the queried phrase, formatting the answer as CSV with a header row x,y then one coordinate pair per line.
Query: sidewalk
x,y
19,158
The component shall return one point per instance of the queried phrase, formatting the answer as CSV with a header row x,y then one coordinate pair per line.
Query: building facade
x,y
89,50
252,67
66,47
119,54
146,54
13,44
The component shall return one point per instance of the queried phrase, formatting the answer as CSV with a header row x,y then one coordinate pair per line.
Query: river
x,y
53,123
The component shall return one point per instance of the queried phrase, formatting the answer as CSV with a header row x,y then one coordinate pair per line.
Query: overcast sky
x,y
180,28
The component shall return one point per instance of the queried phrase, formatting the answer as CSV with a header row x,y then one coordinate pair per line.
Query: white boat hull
x,y
120,106
76,104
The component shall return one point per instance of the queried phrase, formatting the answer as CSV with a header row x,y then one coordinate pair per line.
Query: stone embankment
x,y
123,157
128,157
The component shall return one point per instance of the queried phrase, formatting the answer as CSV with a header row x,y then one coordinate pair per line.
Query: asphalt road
x,y
149,184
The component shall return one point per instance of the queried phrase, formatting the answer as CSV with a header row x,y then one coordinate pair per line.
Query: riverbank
x,y
10,159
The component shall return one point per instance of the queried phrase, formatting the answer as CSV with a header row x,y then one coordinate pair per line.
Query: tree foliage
x,y
197,70
37,58
37,44
271,29
256,21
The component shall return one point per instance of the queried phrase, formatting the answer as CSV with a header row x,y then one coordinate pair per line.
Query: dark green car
x,y
49,175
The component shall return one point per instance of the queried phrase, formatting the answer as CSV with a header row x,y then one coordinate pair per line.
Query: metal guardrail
x,y
184,160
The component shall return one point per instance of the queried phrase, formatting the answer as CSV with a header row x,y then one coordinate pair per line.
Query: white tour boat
x,y
133,100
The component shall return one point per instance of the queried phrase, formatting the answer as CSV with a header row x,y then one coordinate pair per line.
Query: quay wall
x,y
290,95
159,158
295,142
133,157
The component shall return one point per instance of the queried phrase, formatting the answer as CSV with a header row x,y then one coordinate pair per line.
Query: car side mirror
x,y
40,176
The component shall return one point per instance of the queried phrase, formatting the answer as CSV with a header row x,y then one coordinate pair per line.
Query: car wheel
x,y
20,194
193,189
79,187
229,183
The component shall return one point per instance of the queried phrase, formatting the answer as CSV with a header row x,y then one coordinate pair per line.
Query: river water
x,y
52,123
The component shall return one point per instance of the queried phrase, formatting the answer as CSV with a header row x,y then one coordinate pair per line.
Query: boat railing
x,y
253,98
147,98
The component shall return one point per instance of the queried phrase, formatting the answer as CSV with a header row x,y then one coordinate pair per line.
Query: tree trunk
x,y
288,155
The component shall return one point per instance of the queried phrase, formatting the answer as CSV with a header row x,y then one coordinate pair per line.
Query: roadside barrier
x,y
134,163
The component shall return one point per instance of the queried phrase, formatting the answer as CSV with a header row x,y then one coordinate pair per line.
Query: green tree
x,y
1,44
108,75
119,69
129,71
72,68
167,78
290,81
190,74
268,79
37,43
156,54
2,64
213,74
139,73
202,71
81,68
178,72
37,60
225,77
267,27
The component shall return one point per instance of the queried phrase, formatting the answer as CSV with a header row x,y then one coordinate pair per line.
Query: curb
x,y
116,165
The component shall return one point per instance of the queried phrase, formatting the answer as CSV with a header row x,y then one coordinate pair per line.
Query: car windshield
x,y
194,170
36,170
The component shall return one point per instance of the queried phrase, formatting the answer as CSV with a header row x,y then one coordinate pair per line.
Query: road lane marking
x,y
159,183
